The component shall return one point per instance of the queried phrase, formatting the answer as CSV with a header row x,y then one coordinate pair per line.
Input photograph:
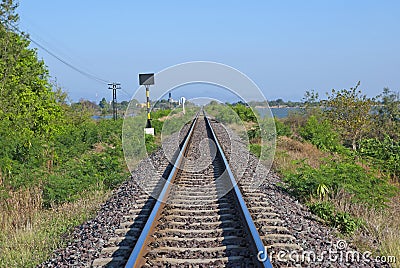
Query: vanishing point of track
x,y
200,218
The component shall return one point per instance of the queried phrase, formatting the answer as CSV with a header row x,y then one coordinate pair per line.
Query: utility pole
x,y
114,87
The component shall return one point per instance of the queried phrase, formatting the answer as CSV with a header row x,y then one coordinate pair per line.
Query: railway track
x,y
200,218
197,222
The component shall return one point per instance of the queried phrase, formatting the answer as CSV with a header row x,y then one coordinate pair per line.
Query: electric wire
x,y
86,74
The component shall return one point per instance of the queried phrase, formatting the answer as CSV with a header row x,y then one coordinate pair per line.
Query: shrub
x,y
225,115
244,113
321,135
296,119
160,113
384,154
255,149
324,210
341,220
151,146
282,129
305,182
157,125
254,134
94,171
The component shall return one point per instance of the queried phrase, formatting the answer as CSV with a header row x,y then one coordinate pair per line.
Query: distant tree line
x,y
104,107
280,103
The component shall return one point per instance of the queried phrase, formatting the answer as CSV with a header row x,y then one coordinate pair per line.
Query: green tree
x,y
388,114
312,104
349,111
320,134
103,103
29,110
26,97
7,13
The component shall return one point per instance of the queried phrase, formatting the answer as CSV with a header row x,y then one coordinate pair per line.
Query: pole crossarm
x,y
114,87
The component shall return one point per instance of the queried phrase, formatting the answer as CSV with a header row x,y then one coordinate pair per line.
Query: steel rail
x,y
134,258
256,239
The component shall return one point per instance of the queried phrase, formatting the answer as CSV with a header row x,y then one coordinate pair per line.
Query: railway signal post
x,y
147,80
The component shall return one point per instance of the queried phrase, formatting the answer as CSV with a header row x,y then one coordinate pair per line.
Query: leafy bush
x,y
341,220
384,154
245,113
324,210
267,126
231,113
151,146
254,133
160,113
345,222
282,129
353,179
296,119
92,171
88,156
222,113
321,135
157,125
349,113
255,149
82,156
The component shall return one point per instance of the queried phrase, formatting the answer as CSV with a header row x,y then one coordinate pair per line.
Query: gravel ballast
x,y
319,244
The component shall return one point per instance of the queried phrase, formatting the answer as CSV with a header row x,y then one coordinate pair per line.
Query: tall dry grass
x,y
19,208
29,233
381,231
289,150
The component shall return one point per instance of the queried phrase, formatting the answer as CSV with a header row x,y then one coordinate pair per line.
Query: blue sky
x,y
285,47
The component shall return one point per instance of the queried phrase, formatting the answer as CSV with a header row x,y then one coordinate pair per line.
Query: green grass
x,y
360,200
33,244
345,222
255,149
363,186
42,199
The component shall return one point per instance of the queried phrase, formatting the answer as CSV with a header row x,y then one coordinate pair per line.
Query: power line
x,y
126,93
86,74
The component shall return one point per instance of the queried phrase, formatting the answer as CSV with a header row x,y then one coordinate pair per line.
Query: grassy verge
x,y
357,200
40,201
32,243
